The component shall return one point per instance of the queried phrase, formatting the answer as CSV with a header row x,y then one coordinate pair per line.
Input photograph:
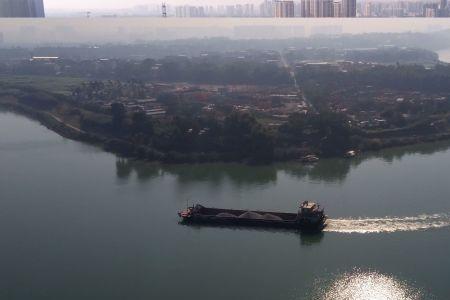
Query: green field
x,y
62,85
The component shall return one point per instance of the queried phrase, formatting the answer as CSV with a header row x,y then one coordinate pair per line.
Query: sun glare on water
x,y
360,285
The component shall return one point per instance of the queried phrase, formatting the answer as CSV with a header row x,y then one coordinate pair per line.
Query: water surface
x,y
79,223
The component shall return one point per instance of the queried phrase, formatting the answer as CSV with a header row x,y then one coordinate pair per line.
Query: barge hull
x,y
229,217
253,223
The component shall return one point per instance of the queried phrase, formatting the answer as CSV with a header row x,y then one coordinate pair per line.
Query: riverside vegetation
x,y
363,106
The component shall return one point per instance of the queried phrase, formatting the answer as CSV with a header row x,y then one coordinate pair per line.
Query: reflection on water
x,y
388,224
330,170
126,167
309,239
390,155
214,174
305,238
327,170
367,285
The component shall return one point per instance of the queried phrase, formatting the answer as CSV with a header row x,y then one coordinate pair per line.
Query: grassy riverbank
x,y
59,85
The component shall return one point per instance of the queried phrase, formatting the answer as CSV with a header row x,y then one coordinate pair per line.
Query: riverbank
x,y
47,119
59,126
58,123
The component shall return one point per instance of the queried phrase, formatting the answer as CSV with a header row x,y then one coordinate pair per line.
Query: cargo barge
x,y
310,217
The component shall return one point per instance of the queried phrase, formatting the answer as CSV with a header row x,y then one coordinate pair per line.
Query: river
x,y
79,223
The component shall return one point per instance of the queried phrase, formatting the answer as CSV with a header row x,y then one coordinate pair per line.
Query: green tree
x,y
118,113
334,132
140,123
245,138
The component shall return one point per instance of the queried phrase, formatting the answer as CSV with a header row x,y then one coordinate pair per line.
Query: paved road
x,y
299,91
66,124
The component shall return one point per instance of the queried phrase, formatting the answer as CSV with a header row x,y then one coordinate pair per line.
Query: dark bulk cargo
x,y
309,217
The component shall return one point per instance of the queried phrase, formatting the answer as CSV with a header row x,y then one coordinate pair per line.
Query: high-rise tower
x,y
37,9
337,9
348,8
164,10
284,9
22,9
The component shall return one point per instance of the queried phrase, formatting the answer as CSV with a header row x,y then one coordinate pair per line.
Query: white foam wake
x,y
388,224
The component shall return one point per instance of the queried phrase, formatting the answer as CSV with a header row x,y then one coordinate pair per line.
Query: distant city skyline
x,y
81,5
244,8
121,4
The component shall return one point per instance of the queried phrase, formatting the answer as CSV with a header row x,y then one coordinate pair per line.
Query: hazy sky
x,y
115,4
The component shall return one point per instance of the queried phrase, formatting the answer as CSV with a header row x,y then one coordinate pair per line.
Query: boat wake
x,y
388,224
